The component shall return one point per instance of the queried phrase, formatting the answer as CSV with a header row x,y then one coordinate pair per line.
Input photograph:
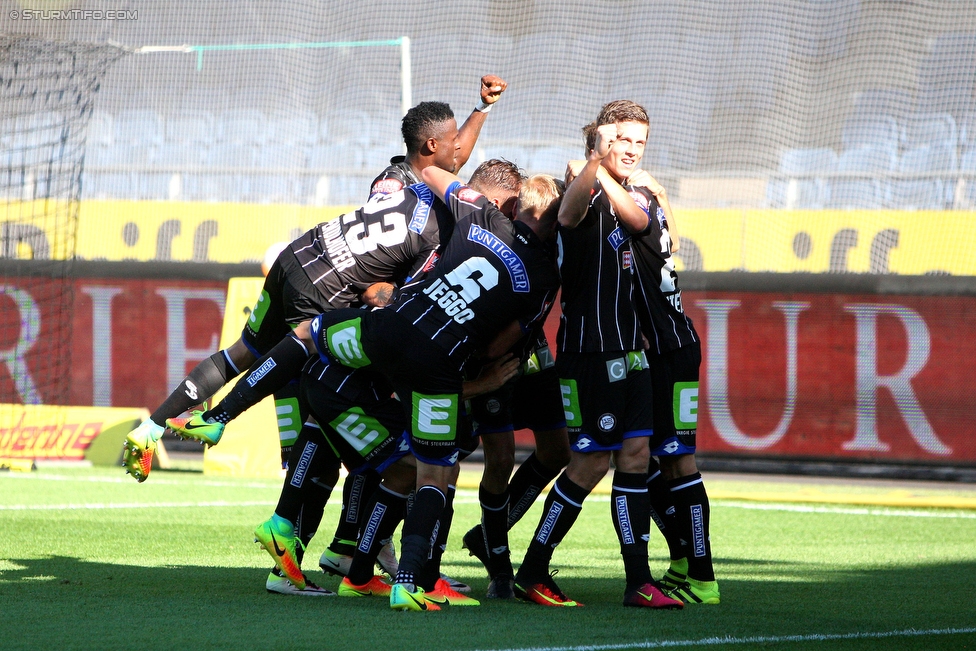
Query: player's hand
x,y
606,135
573,168
498,372
643,179
492,87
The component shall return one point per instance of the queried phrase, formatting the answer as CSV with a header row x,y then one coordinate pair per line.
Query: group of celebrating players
x,y
397,337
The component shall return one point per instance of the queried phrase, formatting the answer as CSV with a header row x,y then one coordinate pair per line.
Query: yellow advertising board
x,y
50,432
249,446
719,239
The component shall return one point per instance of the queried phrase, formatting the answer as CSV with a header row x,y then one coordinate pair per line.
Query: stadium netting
x,y
47,94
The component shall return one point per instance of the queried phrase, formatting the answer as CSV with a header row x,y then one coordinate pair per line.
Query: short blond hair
x,y
538,194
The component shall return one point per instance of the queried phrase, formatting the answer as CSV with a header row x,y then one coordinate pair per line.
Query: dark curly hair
x,y
420,123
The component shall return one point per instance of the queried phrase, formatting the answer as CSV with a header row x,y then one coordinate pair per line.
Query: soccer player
x,y
431,136
282,363
679,502
533,401
602,366
495,274
364,424
674,356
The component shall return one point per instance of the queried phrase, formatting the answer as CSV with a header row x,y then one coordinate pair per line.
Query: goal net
x,y
47,93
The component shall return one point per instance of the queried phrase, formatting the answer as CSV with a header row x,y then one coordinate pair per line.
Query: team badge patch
x,y
493,406
639,199
607,423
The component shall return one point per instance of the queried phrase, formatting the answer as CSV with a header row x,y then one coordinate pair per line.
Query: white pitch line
x,y
846,510
759,639
128,480
140,505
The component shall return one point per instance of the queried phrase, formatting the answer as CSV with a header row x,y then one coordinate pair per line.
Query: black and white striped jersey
x,y
596,265
657,295
393,238
493,271
398,175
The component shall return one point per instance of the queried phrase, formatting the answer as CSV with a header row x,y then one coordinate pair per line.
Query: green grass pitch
x,y
91,560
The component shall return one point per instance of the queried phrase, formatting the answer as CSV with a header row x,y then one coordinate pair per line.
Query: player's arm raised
x,y
439,181
576,201
492,87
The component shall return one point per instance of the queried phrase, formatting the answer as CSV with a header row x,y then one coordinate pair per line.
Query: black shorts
x,y
287,298
427,382
606,397
365,434
530,401
674,376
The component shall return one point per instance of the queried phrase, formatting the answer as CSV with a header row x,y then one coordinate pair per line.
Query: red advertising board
x,y
120,342
825,375
858,376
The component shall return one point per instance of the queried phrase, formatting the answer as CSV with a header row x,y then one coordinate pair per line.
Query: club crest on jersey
x,y
467,195
387,186
661,217
618,237
418,221
626,260
640,200
515,266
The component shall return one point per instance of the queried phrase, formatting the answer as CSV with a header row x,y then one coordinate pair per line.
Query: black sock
x,y
494,531
662,509
203,381
691,508
281,365
385,510
432,569
308,484
563,506
526,485
357,490
418,529
630,506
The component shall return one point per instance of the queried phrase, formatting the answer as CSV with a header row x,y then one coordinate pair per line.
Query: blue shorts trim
x,y
672,447
585,443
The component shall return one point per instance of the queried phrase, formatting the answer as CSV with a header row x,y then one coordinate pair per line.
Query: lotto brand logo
x,y
623,519
670,447
263,370
550,521
583,442
698,530
366,539
307,453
